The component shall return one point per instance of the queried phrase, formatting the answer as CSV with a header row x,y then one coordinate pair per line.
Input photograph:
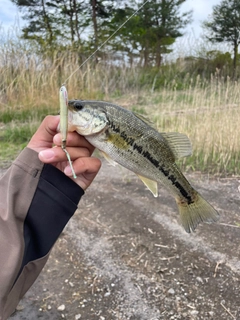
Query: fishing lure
x,y
63,99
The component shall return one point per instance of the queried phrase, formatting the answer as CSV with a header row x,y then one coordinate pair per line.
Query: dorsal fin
x,y
144,119
179,144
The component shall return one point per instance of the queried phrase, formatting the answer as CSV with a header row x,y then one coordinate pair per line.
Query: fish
x,y
129,139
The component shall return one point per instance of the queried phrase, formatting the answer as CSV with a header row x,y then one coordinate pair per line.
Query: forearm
x,y
36,202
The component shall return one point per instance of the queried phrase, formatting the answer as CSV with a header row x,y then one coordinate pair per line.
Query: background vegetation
x,y
197,95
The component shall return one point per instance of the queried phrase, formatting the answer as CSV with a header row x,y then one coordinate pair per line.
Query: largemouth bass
x,y
129,140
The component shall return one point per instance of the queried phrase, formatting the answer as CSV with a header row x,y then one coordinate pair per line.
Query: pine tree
x,y
224,25
153,29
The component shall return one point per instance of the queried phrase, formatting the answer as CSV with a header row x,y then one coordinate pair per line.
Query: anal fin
x,y
150,184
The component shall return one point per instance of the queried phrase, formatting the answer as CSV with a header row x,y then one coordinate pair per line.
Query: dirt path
x,y
124,256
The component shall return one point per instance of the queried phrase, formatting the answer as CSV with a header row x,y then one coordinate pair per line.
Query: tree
x,y
58,24
224,25
51,23
154,28
127,40
61,23
68,18
41,26
164,24
100,12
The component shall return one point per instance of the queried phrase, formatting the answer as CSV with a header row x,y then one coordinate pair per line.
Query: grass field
x,y
207,111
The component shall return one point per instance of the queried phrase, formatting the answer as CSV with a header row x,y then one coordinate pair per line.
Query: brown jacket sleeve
x,y
36,202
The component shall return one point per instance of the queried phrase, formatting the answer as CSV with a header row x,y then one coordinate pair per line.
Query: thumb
x,y
43,138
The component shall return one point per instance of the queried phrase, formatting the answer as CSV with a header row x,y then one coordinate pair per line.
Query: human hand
x,y
85,166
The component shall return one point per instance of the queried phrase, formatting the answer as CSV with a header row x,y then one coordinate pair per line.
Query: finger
x,y
44,135
56,154
73,140
86,169
84,165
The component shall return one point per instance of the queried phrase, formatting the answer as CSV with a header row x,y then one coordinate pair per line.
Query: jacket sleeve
x,y
36,202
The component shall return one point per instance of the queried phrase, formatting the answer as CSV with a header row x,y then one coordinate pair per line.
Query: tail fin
x,y
198,211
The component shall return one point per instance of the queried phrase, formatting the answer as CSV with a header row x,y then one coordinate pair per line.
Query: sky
x,y
202,9
10,16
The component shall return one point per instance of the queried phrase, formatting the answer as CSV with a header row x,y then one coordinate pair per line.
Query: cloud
x,y
202,9
9,15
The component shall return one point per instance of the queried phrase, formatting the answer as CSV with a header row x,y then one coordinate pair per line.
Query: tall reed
x,y
206,110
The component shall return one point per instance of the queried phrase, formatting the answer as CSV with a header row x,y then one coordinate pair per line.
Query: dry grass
x,y
209,115
208,112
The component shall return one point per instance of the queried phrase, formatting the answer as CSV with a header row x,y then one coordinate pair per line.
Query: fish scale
x,y
129,140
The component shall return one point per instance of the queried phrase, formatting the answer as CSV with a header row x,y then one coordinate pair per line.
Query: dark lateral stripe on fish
x,y
180,187
130,141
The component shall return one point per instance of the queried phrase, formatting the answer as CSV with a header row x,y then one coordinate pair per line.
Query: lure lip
x,y
63,92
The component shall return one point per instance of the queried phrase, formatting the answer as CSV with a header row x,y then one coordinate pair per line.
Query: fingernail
x,y
57,139
68,171
47,154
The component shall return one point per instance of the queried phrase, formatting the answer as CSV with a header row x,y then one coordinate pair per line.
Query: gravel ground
x,y
124,256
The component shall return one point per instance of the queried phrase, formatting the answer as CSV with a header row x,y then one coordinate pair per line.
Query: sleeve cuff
x,y
51,174
54,203
60,181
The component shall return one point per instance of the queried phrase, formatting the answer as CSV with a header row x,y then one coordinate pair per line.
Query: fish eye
x,y
78,106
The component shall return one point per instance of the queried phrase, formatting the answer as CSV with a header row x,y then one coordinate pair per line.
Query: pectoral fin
x,y
109,160
150,184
